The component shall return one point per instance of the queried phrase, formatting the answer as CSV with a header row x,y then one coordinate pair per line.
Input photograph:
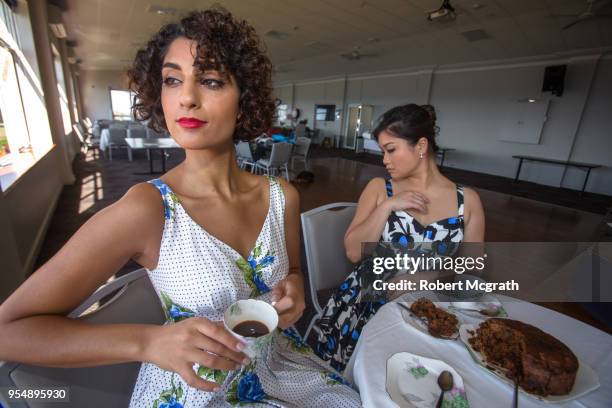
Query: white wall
x,y
95,91
594,140
26,209
472,108
473,104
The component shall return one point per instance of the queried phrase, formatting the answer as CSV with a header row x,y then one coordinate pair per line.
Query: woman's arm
x,y
474,230
32,318
372,213
289,293
33,323
369,221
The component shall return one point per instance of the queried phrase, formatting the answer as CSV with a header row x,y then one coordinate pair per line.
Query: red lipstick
x,y
191,123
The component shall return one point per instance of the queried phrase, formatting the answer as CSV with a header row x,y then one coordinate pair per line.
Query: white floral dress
x,y
199,275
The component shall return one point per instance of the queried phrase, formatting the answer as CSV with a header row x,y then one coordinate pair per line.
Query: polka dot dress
x,y
199,275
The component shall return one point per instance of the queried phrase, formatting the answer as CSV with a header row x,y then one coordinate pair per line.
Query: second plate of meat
x,y
432,318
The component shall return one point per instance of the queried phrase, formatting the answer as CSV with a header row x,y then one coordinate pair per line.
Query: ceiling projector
x,y
446,10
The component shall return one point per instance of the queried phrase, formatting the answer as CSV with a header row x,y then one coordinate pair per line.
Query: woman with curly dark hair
x,y
208,234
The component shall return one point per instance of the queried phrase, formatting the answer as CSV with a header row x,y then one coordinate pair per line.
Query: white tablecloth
x,y
387,333
104,136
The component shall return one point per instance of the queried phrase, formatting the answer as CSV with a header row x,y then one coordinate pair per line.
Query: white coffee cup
x,y
251,310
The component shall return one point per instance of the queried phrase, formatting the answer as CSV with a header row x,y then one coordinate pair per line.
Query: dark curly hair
x,y
225,44
410,122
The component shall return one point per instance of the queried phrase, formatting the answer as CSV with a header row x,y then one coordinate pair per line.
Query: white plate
x,y
412,381
586,379
485,302
420,325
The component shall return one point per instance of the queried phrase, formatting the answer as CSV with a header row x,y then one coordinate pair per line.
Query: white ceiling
x,y
394,32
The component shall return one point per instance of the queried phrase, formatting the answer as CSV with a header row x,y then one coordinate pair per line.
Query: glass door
x,y
352,127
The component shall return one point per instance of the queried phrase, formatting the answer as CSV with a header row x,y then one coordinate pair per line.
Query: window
x,y
325,113
14,125
61,89
25,135
121,104
4,147
281,113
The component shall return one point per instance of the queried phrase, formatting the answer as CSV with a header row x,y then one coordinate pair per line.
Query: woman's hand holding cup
x,y
288,297
177,347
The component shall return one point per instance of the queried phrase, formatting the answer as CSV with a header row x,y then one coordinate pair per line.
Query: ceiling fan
x,y
591,13
356,54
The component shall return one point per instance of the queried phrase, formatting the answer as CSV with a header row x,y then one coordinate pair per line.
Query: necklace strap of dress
x,y
168,197
389,188
460,200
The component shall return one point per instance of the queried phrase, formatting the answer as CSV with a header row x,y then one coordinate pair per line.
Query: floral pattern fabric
x,y
352,305
199,275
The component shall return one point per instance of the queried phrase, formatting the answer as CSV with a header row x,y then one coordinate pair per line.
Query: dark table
x,y
566,163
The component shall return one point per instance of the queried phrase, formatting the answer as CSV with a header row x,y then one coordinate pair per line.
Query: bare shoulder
x,y
141,202
139,212
376,183
471,197
473,205
292,197
374,190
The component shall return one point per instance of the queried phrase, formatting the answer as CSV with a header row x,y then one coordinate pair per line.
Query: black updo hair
x,y
432,113
410,122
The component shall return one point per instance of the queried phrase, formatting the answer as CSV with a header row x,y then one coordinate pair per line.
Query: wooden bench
x,y
587,166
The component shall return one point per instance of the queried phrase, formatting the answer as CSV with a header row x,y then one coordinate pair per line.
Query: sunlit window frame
x,y
20,161
110,96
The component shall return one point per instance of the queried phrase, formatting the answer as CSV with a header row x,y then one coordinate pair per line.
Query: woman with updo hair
x,y
208,234
416,208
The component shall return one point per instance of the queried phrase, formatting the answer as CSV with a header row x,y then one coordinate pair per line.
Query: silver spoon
x,y
485,312
515,397
445,382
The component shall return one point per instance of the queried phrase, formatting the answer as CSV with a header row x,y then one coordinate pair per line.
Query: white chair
x,y
245,156
323,230
95,387
302,146
86,139
300,130
116,139
137,132
279,158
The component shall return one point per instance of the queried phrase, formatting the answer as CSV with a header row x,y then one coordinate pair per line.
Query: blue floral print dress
x,y
350,306
199,275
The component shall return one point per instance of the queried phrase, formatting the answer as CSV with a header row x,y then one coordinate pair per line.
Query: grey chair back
x,y
302,146
137,132
244,151
97,387
116,136
300,130
323,230
281,152
157,135
117,125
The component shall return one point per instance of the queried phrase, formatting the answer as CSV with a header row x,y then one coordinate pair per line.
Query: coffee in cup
x,y
252,321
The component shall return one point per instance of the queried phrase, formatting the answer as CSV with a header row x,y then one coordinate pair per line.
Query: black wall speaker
x,y
554,76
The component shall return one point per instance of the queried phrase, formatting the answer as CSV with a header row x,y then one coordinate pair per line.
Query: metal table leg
x,y
150,161
518,171
586,179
